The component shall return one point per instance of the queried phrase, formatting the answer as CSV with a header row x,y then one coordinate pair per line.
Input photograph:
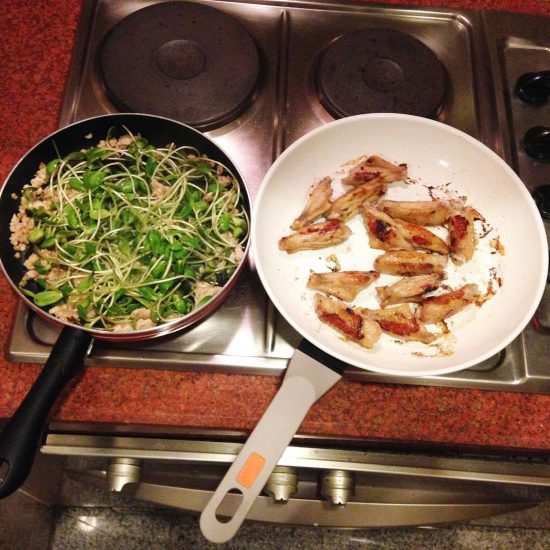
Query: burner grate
x,y
380,71
185,61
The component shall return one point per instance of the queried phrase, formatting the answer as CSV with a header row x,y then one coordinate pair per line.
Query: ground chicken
x,y
144,323
237,254
124,141
158,189
20,226
55,275
40,178
31,272
65,313
117,143
142,319
141,313
122,327
203,289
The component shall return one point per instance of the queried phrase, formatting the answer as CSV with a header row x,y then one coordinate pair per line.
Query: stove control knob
x,y
536,142
533,88
542,199
282,483
338,486
122,471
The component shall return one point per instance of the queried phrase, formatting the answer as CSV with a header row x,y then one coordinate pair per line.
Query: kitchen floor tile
x,y
17,515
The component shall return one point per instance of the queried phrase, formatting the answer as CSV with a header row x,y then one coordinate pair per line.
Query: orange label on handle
x,y
251,470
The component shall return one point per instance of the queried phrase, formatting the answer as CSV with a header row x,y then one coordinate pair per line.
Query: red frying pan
x,y
22,434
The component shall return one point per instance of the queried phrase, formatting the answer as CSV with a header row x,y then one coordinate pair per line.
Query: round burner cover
x,y
181,60
380,71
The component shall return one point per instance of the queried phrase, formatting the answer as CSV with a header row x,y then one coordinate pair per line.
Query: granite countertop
x,y
37,37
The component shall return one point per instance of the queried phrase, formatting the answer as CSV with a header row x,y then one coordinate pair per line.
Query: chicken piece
x,y
420,238
317,204
384,233
346,320
401,322
419,212
349,204
345,285
315,236
406,263
436,308
373,168
388,234
462,234
407,289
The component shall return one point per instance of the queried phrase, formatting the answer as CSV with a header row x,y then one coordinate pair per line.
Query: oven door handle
x,y
302,511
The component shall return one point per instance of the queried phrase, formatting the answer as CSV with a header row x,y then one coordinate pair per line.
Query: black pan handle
x,y
23,432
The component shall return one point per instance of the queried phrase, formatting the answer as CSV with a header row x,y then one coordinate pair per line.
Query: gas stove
x,y
256,76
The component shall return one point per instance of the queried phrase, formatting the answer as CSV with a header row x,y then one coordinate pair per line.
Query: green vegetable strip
x,y
134,227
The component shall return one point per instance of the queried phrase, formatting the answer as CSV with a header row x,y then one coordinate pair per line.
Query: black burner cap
x,y
380,70
182,60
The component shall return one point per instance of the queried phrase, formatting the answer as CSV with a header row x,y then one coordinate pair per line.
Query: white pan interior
x,y
452,164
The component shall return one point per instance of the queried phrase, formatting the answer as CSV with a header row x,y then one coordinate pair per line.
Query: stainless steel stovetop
x,y
483,54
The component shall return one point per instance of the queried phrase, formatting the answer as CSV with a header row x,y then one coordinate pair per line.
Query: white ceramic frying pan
x,y
511,258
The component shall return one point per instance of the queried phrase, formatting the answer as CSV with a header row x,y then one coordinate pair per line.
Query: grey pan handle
x,y
306,380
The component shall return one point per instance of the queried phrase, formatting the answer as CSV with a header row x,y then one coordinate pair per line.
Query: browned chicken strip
x,y
384,233
407,289
420,238
317,204
400,322
407,263
346,320
436,308
315,236
419,212
349,204
375,167
388,234
462,235
345,285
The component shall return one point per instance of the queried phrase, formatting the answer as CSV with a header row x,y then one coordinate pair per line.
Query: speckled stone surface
x,y
35,49
105,529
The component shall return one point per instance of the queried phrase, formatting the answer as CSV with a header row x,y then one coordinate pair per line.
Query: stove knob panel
x,y
533,88
536,142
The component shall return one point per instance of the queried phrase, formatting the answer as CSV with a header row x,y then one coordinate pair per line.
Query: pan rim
x,y
274,296
167,327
